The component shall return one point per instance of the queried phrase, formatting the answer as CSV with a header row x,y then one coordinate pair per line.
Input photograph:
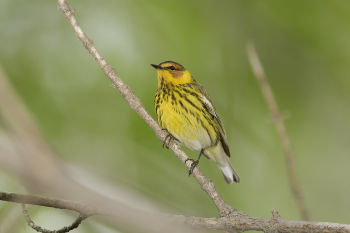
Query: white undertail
x,y
217,154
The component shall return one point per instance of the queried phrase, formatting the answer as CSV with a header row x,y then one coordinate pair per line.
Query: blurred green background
x,y
304,47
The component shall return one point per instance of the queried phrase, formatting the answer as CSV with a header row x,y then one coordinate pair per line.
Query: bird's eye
x,y
172,67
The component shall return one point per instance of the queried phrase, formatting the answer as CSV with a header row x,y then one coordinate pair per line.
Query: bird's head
x,y
172,72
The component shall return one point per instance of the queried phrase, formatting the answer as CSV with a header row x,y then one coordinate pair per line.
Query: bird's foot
x,y
193,165
167,139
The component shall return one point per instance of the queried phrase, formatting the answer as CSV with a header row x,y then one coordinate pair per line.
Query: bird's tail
x,y
229,173
217,154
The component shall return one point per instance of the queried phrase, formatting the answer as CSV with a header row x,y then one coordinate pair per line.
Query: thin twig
x,y
83,210
65,229
278,120
134,102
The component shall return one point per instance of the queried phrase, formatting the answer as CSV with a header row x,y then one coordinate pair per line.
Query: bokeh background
x,y
303,45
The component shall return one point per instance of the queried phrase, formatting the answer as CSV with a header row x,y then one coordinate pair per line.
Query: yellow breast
x,y
180,113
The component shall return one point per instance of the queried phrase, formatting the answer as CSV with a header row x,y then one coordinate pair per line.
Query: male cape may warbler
x,y
185,110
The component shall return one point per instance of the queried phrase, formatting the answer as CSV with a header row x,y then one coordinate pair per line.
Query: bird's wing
x,y
208,105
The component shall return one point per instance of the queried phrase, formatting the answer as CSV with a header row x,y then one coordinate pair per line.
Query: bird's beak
x,y
155,66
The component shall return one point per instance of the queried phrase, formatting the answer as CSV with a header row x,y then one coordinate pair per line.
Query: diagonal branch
x,y
206,184
281,129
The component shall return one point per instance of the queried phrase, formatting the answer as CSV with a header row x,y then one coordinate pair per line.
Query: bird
x,y
186,112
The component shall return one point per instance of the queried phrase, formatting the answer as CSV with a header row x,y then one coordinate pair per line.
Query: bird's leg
x,y
167,139
194,162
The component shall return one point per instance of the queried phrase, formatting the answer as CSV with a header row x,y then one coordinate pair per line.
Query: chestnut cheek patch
x,y
176,73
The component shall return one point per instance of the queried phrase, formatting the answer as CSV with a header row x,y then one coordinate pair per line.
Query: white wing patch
x,y
210,106
212,111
